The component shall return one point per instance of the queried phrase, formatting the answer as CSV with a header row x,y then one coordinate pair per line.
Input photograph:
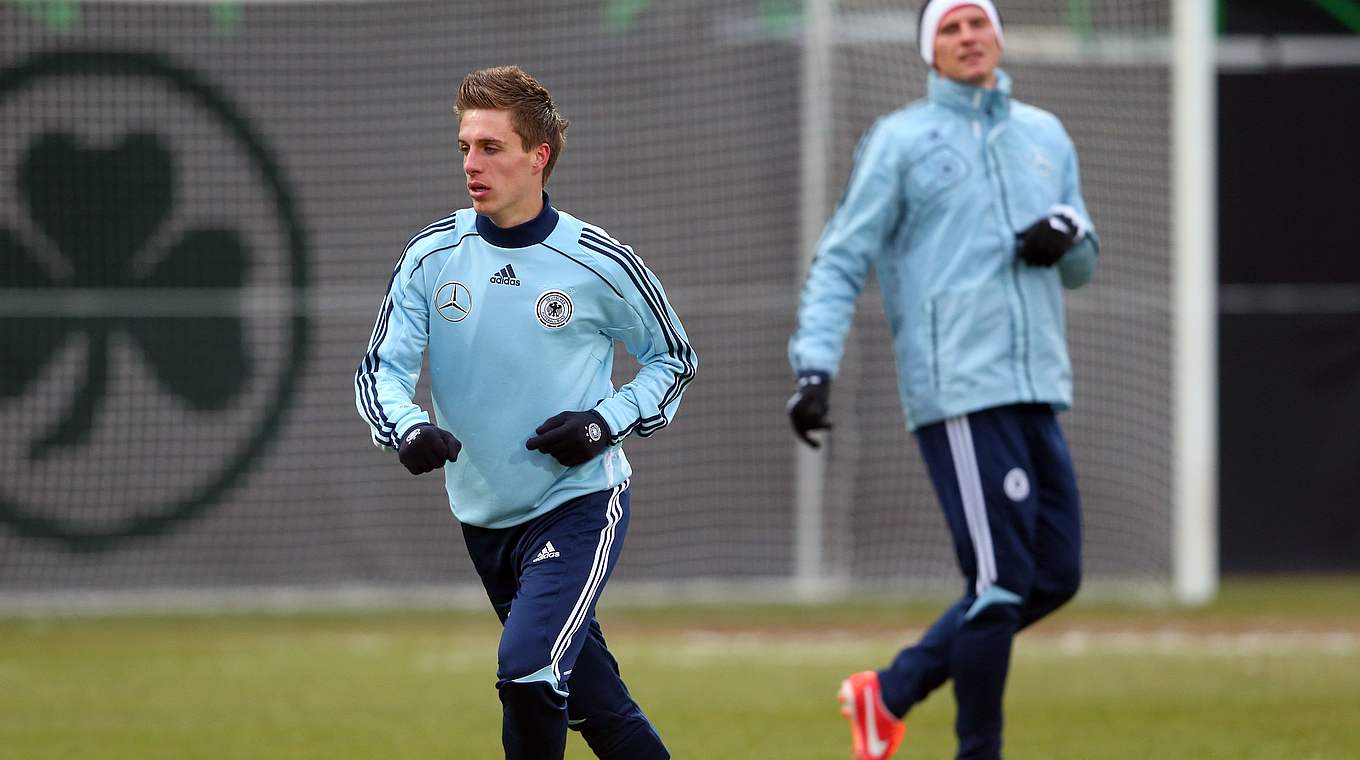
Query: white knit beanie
x,y
934,10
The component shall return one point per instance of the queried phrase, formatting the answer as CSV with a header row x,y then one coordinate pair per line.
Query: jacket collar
x,y
532,232
970,100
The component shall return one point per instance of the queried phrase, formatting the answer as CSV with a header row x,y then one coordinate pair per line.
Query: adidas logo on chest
x,y
506,276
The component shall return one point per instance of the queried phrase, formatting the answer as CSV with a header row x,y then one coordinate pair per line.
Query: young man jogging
x,y
518,305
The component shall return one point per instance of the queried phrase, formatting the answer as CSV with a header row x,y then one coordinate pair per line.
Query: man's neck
x,y
512,217
987,84
517,231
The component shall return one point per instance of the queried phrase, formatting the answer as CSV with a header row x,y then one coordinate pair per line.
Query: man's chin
x,y
979,77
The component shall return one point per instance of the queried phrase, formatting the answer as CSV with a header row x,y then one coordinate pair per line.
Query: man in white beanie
x,y
968,206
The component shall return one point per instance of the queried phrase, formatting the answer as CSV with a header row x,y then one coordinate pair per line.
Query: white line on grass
x,y
1176,641
704,646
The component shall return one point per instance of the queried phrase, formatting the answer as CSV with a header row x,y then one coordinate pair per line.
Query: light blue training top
x,y
520,324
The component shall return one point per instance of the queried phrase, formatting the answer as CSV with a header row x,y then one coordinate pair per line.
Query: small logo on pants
x,y
547,552
1016,484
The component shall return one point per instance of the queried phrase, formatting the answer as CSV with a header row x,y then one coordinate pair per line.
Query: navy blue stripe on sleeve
x,y
365,378
627,260
365,383
679,348
676,345
564,254
443,225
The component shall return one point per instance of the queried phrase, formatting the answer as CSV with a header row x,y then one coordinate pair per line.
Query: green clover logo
x,y
98,257
99,209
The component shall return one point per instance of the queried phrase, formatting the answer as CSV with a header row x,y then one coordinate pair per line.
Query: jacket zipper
x,y
935,348
990,158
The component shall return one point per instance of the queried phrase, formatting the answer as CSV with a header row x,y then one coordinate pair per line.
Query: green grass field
x,y
1271,671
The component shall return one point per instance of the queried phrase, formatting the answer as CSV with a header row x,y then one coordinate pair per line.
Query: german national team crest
x,y
553,309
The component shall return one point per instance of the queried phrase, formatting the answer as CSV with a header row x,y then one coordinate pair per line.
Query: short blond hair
x,y
533,115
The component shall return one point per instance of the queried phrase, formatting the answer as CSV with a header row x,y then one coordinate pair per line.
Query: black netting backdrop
x,y
200,206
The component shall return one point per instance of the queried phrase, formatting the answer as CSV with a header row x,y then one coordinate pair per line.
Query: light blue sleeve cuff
x,y
618,413
403,424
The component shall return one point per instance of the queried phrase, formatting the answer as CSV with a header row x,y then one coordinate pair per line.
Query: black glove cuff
x,y
603,433
407,436
812,377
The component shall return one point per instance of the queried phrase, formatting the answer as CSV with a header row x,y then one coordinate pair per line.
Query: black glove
x,y
426,447
1045,241
571,438
809,405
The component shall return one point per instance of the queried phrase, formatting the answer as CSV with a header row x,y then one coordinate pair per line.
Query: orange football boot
x,y
874,732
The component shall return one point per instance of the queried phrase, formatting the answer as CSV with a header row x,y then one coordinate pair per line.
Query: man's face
x,y
504,180
966,47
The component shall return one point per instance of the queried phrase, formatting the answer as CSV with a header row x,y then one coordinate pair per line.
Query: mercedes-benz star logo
x,y
454,301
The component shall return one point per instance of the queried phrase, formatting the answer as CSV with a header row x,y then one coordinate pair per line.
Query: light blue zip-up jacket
x,y
937,193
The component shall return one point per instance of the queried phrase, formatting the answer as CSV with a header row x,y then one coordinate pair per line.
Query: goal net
x,y
203,201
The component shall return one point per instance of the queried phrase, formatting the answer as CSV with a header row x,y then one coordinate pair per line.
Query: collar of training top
x,y
532,232
971,99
